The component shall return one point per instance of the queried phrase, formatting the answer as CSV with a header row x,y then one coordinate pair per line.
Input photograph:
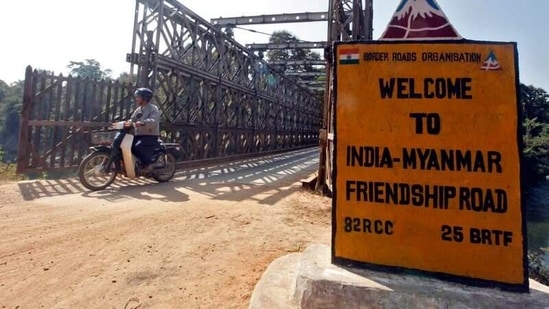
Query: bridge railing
x,y
58,115
217,97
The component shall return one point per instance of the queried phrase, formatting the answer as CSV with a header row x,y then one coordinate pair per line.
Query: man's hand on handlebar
x,y
126,124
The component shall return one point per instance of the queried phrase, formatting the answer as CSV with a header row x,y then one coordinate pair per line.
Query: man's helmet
x,y
145,93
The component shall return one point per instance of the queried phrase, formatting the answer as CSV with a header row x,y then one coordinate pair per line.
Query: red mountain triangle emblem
x,y
420,19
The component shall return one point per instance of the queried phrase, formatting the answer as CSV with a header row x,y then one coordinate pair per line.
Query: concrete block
x,y
319,284
273,288
308,280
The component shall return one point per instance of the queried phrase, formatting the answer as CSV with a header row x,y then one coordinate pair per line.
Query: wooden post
x,y
24,145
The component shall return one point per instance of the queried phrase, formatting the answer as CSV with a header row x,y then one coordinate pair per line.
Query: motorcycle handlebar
x,y
121,125
117,125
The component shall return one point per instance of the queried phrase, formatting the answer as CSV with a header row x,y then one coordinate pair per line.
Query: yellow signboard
x,y
427,171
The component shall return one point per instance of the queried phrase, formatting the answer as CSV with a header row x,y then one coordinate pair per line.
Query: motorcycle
x,y
107,159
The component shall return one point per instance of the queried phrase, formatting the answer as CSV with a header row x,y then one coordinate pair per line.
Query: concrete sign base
x,y
309,280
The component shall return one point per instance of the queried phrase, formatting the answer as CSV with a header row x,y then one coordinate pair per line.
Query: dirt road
x,y
200,241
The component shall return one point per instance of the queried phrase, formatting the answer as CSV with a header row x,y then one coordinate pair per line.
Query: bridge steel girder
x,y
216,97
298,62
316,89
303,74
270,19
349,20
312,82
287,45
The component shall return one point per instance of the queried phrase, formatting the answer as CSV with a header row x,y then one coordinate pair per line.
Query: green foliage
x,y
90,68
536,266
296,54
125,78
535,103
8,173
11,97
7,170
535,112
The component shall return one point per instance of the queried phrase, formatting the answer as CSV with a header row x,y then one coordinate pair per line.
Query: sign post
x,y
427,160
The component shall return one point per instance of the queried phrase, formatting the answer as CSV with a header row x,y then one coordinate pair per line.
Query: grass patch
x,y
7,173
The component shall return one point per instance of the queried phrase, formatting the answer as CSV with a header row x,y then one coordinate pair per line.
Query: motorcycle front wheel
x,y
93,173
166,173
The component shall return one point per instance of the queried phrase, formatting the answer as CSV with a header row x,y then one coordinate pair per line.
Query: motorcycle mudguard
x,y
129,162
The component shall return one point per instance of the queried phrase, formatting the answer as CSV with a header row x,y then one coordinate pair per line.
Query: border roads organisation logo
x,y
491,63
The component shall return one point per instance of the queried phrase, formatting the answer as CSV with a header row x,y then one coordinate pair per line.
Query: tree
x,y
91,69
297,54
11,97
125,78
535,110
535,103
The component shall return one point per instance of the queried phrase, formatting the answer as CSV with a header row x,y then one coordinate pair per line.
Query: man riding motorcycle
x,y
137,137
146,120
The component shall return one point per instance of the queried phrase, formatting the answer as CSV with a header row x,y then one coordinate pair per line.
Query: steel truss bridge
x,y
218,98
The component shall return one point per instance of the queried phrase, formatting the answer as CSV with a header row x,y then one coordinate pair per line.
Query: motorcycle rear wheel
x,y
166,173
90,171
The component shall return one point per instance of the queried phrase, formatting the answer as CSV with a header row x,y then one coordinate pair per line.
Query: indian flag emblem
x,y
349,56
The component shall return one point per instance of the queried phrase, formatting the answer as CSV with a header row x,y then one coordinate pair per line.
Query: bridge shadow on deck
x,y
121,189
265,180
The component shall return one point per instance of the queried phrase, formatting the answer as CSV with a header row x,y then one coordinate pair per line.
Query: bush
x,y
536,149
537,269
7,172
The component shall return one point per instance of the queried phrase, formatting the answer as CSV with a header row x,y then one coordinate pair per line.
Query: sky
x,y
49,34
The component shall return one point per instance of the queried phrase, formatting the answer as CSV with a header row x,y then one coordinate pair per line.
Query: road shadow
x,y
266,180
121,189
144,190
